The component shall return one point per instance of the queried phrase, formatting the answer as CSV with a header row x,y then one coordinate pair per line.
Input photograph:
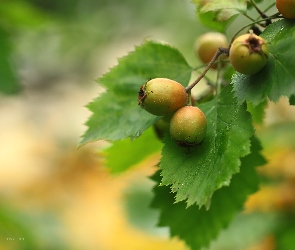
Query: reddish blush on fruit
x,y
188,126
286,8
162,96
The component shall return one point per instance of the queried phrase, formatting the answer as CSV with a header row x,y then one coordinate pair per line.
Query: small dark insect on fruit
x,y
141,95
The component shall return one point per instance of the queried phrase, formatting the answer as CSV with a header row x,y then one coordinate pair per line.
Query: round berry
x,y
161,127
248,54
207,45
188,126
161,96
286,8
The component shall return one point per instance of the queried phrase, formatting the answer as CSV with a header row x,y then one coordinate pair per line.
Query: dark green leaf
x,y
116,114
277,78
197,173
292,100
285,235
8,81
198,227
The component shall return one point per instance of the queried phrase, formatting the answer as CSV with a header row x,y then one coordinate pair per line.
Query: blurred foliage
x,y
124,154
137,199
56,41
8,81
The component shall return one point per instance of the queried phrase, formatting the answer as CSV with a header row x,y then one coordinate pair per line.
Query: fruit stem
x,y
269,7
277,15
189,102
262,14
245,15
218,53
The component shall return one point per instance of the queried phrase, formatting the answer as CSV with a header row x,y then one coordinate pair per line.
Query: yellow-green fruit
x,y
207,45
248,54
286,8
162,96
188,126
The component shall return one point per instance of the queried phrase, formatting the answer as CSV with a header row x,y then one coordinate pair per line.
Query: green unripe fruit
x,y
161,96
188,126
248,54
286,8
161,127
207,45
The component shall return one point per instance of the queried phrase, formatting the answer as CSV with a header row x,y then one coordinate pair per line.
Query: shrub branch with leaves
x,y
202,186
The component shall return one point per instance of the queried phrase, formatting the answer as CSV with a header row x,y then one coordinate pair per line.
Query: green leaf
x,y
257,112
197,173
277,78
292,100
8,81
285,235
209,19
198,227
126,153
116,114
223,9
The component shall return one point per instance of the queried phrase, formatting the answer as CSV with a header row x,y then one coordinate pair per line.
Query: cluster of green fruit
x,y
248,53
164,97
187,124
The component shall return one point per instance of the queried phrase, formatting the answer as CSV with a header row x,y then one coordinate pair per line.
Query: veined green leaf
x,y
198,227
277,78
116,114
197,173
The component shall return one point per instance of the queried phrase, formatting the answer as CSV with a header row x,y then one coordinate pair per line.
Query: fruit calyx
x,y
141,95
254,44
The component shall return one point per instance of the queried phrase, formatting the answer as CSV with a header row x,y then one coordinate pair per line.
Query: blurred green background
x,y
53,196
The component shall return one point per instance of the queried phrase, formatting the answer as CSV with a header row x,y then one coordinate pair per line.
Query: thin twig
x,y
277,15
250,18
219,52
262,14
